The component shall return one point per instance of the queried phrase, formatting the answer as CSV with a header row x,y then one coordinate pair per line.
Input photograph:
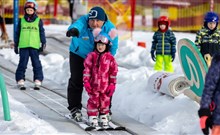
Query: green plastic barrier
x,y
5,103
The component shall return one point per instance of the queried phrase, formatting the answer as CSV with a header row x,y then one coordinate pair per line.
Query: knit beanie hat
x,y
97,13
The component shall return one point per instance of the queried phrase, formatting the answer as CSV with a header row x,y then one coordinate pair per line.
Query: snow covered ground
x,y
132,97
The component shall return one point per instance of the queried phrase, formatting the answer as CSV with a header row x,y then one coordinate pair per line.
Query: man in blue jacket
x,y
83,43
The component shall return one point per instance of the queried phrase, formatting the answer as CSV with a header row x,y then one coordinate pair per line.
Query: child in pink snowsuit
x,y
99,77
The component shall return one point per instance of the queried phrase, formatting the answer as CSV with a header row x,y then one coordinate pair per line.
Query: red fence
x,y
184,16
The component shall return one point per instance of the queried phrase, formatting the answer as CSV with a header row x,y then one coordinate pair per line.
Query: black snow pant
x,y
75,86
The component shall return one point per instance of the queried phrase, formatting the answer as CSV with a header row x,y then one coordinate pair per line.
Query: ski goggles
x,y
29,5
101,39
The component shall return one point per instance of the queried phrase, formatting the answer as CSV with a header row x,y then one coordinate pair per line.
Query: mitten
x,y
205,120
42,48
173,56
16,49
153,55
110,90
72,32
88,87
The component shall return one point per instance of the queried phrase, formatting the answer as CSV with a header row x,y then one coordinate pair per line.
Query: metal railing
x,y
5,104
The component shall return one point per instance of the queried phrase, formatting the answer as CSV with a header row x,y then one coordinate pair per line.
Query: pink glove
x,y
110,90
88,87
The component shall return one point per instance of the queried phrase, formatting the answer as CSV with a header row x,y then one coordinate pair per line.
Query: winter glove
x,y
42,48
205,120
88,87
16,49
72,32
173,56
110,90
153,55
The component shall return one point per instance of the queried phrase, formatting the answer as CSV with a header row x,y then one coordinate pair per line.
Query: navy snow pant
x,y
24,54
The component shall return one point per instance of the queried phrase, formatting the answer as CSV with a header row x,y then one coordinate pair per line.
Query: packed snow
x,y
132,96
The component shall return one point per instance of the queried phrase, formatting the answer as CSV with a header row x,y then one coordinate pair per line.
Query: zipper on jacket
x,y
98,60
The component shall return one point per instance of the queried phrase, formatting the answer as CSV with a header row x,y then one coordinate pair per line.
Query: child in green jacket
x,y
164,46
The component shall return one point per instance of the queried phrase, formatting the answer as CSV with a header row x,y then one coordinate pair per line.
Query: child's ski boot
x,y
37,84
93,121
104,122
21,85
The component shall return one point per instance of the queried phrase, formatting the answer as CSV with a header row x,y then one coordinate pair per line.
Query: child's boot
x,y
104,121
37,84
21,84
93,121
109,116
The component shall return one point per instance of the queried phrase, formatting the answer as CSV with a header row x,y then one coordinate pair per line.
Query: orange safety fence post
x,y
142,44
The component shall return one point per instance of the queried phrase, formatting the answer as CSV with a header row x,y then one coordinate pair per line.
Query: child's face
x,y
162,26
29,11
211,25
100,47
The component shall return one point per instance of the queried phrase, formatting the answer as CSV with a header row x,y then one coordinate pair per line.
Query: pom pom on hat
x,y
110,36
113,33
96,32
97,13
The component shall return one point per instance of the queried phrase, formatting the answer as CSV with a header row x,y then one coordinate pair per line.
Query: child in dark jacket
x,y
99,77
209,111
164,46
29,35
208,38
